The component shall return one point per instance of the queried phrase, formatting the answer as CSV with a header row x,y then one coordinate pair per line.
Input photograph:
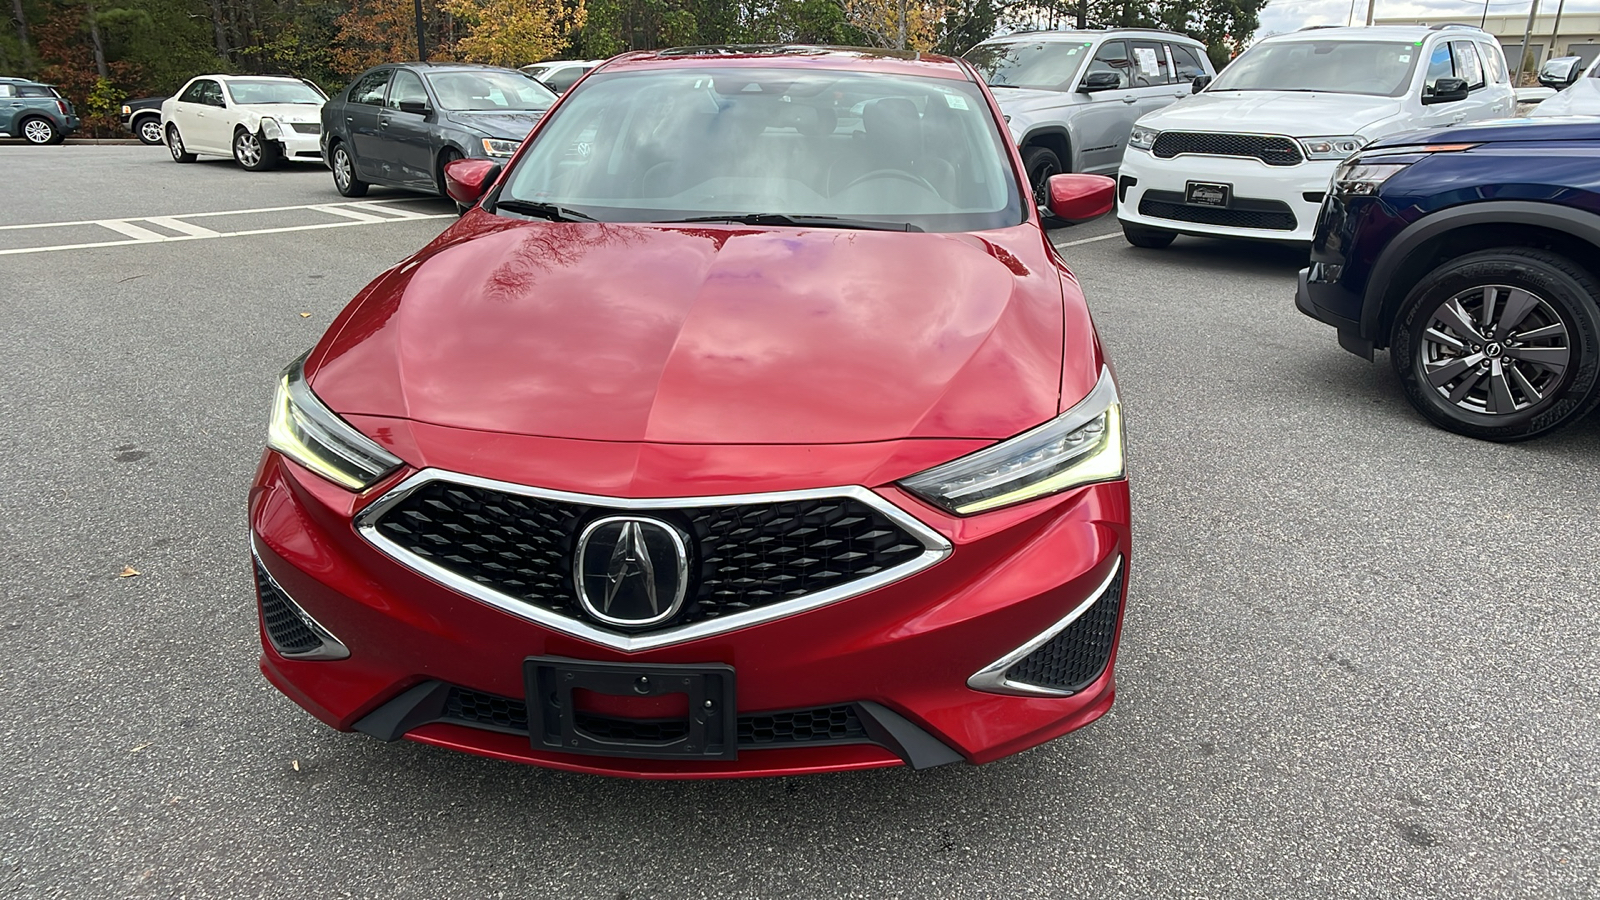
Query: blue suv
x,y
1473,254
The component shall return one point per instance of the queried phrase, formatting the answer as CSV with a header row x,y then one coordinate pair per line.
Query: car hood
x,y
1293,113
509,125
711,335
1021,100
283,112
1582,98
1546,128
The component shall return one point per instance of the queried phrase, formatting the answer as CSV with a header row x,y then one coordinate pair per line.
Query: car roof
x,y
1074,35
1377,33
795,56
468,67
254,78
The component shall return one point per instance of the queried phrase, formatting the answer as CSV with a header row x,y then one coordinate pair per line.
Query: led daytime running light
x,y
306,431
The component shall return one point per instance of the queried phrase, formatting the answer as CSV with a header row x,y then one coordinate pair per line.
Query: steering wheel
x,y
900,174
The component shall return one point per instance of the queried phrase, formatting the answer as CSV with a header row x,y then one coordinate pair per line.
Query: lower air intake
x,y
1075,658
291,630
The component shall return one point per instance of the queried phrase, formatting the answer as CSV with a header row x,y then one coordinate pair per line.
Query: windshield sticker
x,y
955,101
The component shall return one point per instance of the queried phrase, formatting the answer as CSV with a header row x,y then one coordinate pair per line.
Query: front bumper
x,y
1263,197
300,147
897,659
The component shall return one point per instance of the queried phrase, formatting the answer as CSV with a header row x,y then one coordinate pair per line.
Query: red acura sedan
x,y
748,424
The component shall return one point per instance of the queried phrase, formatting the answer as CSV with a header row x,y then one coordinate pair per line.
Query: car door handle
x,y
1130,99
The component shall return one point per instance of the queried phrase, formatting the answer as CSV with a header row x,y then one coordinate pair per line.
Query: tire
x,y
175,146
1529,367
253,152
344,172
148,130
1040,163
40,131
1148,238
449,156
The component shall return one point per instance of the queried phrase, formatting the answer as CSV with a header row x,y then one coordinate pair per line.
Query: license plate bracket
x,y
708,731
1208,193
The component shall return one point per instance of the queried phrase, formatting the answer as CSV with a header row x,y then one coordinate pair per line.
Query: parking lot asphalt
x,y
1361,657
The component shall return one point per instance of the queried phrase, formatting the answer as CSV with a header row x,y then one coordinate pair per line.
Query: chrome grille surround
x,y
935,548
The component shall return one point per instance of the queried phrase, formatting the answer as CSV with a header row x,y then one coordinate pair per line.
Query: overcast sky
x,y
1288,15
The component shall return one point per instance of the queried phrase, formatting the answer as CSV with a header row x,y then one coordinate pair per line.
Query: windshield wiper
x,y
543,211
801,221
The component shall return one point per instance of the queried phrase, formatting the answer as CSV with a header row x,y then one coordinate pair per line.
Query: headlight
x,y
1143,138
270,129
496,147
309,433
126,109
1355,178
1332,147
1081,446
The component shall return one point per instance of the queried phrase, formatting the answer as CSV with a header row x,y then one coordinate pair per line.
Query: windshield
x,y
1045,65
273,92
1381,69
488,90
886,150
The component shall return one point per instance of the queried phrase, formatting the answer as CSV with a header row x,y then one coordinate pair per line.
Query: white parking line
x,y
182,227
1100,237
133,231
370,212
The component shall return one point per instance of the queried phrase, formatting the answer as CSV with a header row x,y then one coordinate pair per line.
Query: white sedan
x,y
256,119
1582,98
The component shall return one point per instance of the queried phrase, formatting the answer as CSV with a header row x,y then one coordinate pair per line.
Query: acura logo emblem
x,y
631,570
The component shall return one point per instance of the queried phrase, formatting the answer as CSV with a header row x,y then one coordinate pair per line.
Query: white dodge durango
x,y
1251,155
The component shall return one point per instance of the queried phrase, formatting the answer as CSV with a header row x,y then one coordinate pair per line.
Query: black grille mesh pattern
x,y
486,709
827,724
1274,151
288,632
1073,659
745,556
806,726
1269,215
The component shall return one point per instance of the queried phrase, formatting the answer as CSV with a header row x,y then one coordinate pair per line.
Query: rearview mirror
x,y
1200,83
467,180
1099,81
1078,198
1446,90
1561,72
420,107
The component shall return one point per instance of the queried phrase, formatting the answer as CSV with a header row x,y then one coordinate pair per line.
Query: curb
x,y
80,142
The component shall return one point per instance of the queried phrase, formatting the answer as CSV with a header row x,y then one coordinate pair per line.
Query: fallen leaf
x,y
296,765
128,572
138,748
305,315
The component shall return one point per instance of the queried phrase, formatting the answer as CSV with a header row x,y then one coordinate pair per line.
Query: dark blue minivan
x,y
1473,254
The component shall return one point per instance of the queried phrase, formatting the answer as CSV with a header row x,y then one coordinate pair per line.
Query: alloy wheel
x,y
1495,350
38,131
341,169
150,131
175,144
247,149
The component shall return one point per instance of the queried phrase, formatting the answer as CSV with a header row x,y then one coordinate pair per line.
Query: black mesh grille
x,y
745,556
486,709
1274,151
287,631
826,724
1073,659
1269,215
805,726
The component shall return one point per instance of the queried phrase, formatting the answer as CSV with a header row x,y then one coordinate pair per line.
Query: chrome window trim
x,y
935,548
992,678
332,648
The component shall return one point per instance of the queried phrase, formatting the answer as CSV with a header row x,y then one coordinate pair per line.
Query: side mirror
x,y
1559,73
1200,83
467,180
1446,90
1078,198
1095,82
419,107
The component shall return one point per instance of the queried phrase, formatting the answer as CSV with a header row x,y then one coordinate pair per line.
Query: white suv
x,y
1252,154
1071,97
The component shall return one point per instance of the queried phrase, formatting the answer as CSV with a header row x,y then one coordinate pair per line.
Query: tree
x,y
514,32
